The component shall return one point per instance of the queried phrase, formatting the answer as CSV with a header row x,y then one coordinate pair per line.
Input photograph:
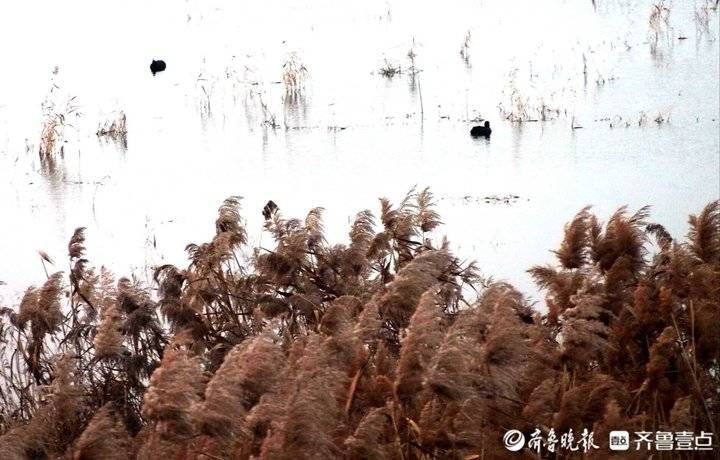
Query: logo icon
x,y
619,440
514,440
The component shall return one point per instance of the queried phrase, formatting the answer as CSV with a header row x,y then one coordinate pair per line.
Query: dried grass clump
x,y
56,117
312,424
465,48
294,74
370,349
659,15
115,129
109,339
57,420
424,337
659,25
524,103
373,437
702,17
704,235
389,70
635,318
105,437
174,387
249,371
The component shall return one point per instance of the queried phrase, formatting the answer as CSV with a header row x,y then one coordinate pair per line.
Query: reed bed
x,y
386,347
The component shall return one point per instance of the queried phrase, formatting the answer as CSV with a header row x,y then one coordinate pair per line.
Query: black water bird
x,y
481,131
269,209
157,66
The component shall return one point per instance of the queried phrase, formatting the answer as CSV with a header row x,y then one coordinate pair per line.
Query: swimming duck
x,y
157,66
481,131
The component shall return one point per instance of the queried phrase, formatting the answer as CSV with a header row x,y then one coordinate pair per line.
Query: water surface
x,y
196,132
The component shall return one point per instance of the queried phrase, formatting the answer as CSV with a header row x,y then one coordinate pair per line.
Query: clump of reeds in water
x,y
702,16
386,346
205,85
115,129
642,120
522,108
269,117
56,117
523,103
465,48
659,15
294,74
389,70
659,23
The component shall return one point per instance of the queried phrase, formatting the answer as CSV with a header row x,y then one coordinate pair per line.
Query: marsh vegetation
x,y
388,346
115,129
58,111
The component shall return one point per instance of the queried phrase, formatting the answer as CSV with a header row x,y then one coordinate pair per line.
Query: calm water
x,y
196,133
